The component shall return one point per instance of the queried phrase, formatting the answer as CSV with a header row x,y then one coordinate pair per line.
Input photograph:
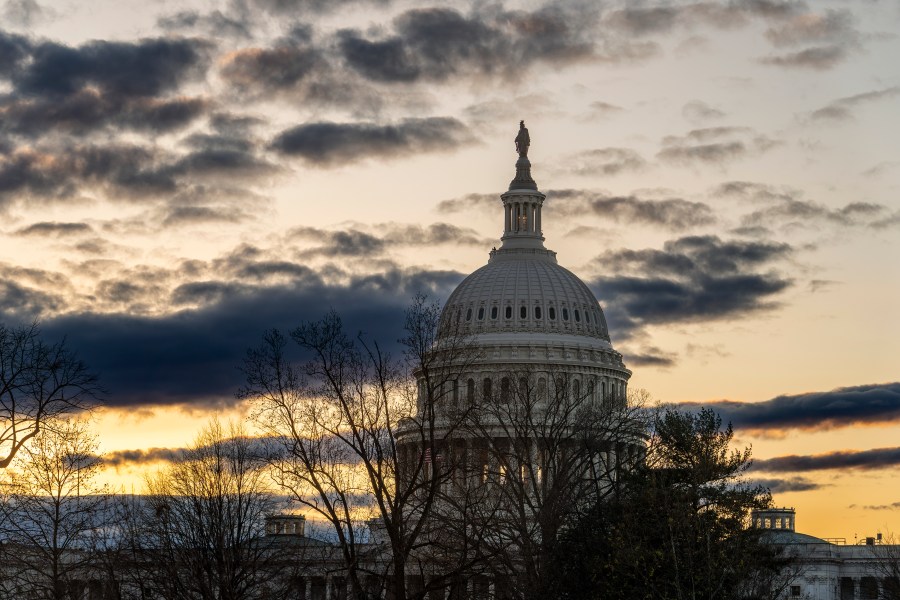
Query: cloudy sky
x,y
176,177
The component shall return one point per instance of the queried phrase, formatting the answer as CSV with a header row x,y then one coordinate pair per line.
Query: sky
x,y
178,177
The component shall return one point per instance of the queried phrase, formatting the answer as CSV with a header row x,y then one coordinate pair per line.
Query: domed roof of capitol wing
x,y
552,299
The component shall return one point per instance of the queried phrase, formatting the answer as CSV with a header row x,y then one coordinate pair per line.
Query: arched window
x,y
537,312
509,312
470,391
454,385
486,388
504,389
560,387
481,313
565,314
493,312
576,389
523,387
591,390
577,316
542,389
523,312
551,312
603,391
469,314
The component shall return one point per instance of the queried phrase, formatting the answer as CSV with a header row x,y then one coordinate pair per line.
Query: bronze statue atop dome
x,y
523,140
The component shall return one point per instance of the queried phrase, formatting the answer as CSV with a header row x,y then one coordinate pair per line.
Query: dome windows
x,y
523,312
509,312
469,315
494,312
565,314
551,312
537,312
481,314
577,316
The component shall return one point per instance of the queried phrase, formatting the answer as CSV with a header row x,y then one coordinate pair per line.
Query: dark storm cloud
x,y
695,278
129,172
191,356
438,44
145,68
54,229
789,484
604,161
842,108
843,407
350,242
25,303
713,145
99,84
13,50
60,173
331,144
86,110
866,460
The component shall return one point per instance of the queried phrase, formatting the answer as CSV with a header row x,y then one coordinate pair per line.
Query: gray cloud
x,y
788,484
481,202
804,213
695,278
54,229
842,108
604,161
99,84
330,144
713,145
190,356
818,57
697,111
843,407
808,27
439,43
866,460
670,213
650,357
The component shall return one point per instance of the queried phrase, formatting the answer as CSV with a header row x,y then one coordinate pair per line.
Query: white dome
x,y
525,291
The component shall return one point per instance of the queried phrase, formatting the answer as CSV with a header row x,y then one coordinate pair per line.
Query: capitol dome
x,y
518,292
525,311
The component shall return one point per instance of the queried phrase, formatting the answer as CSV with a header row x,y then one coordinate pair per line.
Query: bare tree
x,y
205,518
50,510
545,449
39,382
355,433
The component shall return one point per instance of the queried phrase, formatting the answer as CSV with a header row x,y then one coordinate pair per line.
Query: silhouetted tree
x,y
355,429
39,382
678,528
204,520
50,509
